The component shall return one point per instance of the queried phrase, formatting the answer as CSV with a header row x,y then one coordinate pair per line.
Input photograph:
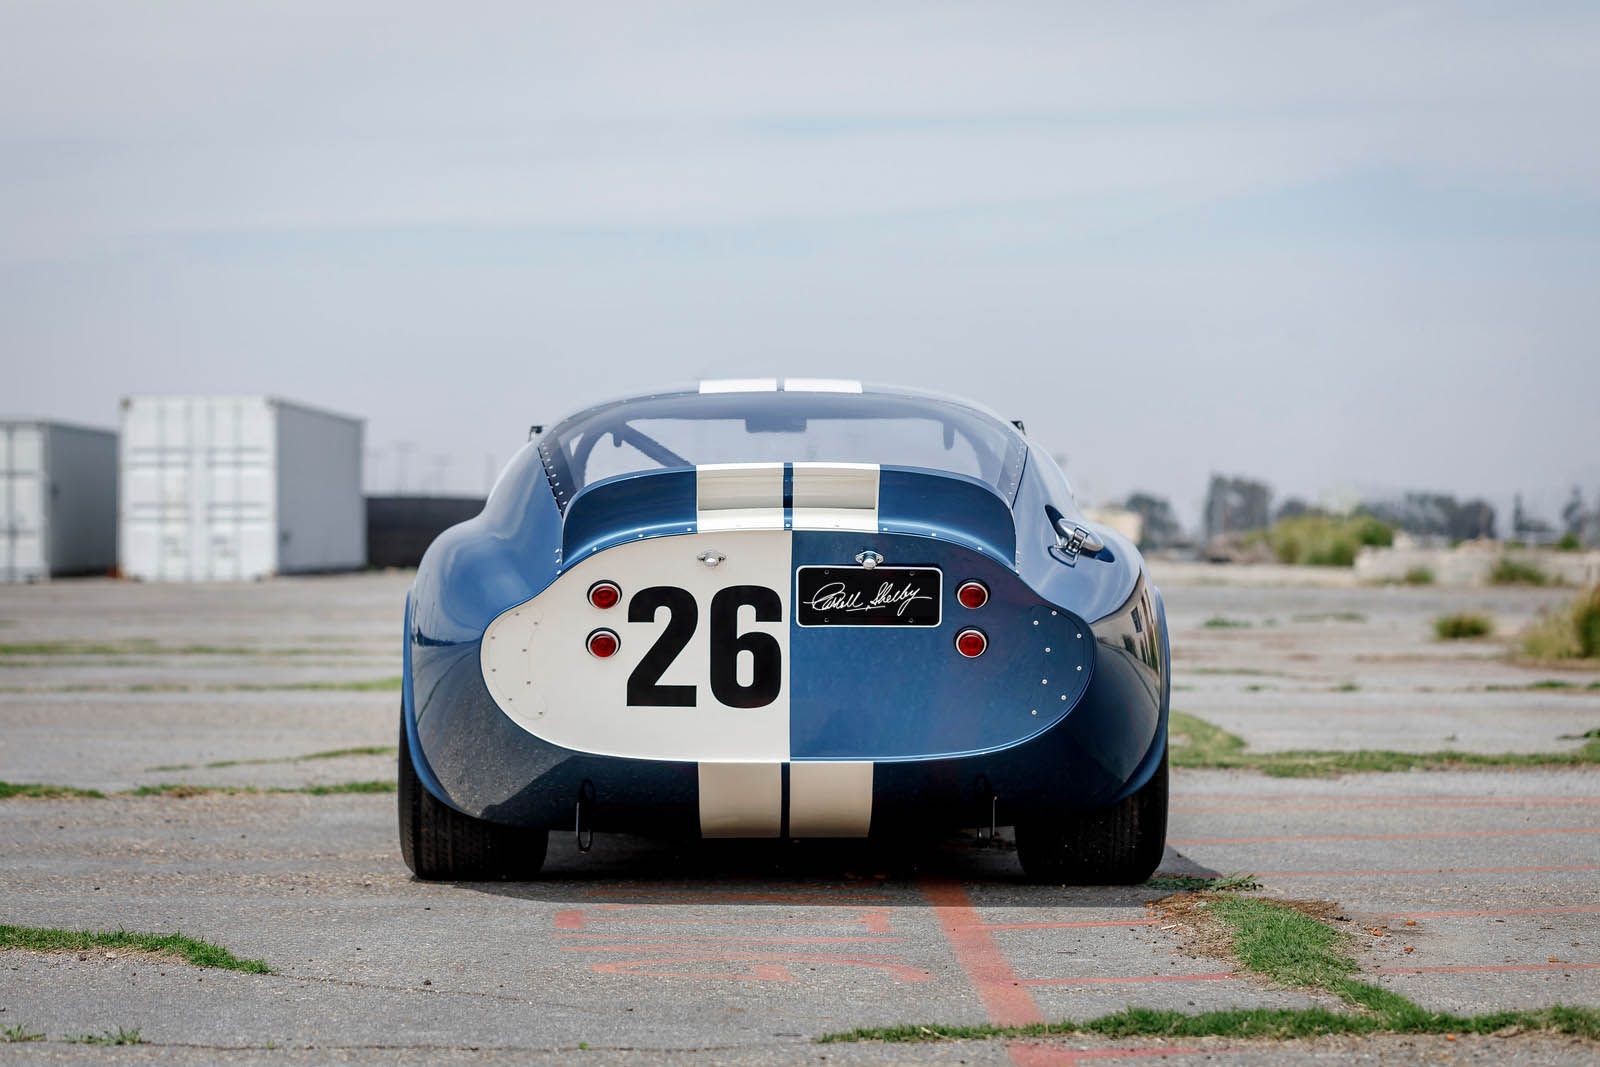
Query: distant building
x,y
1127,523
1159,525
1236,505
400,528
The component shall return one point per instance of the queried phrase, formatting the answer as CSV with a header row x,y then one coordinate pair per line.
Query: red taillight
x,y
603,644
972,594
604,594
971,643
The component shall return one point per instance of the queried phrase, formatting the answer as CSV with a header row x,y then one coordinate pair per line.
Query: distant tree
x,y
1161,528
1294,507
1435,515
1473,520
1573,516
1528,527
1236,505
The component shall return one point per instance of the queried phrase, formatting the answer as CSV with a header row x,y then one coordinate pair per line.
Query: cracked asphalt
x,y
1467,891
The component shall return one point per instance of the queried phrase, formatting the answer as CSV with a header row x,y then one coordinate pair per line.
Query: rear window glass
x,y
664,432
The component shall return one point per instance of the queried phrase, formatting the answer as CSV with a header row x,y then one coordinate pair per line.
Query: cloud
x,y
1348,220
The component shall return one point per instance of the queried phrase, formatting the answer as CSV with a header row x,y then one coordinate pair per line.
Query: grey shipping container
x,y
58,500
400,528
228,488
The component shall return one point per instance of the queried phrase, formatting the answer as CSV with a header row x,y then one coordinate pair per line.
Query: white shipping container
x,y
229,488
58,500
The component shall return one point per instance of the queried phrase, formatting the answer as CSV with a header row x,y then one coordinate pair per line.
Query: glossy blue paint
x,y
505,556
954,507
626,508
904,693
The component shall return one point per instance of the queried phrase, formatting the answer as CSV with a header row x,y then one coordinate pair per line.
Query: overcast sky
x,y
1329,244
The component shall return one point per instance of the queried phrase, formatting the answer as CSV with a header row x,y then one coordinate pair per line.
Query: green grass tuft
x,y
379,786
1218,622
1463,626
119,1036
1284,945
199,953
46,792
180,791
17,1034
1198,743
1508,571
332,753
1418,576
359,685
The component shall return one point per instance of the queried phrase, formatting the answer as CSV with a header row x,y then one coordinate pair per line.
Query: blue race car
x,y
796,609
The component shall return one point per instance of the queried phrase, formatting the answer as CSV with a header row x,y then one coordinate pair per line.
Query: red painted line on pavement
x,y
1005,1000
1025,1054
1426,870
761,966
1082,924
873,920
1131,979
1488,913
711,895
700,944
1423,835
1491,968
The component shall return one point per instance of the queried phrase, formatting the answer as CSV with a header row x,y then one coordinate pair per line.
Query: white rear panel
x,y
22,503
538,670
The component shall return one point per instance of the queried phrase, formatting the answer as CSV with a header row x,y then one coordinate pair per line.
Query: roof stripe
x,y
821,385
739,385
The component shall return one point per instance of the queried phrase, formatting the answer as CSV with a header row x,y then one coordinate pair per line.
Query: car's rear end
x,y
789,649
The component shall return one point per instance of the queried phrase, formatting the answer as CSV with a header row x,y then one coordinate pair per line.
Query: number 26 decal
x,y
645,688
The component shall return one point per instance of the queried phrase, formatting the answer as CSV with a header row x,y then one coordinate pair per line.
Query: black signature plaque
x,y
857,596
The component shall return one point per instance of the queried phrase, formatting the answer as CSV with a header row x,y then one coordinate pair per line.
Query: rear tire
x,y
1119,845
441,844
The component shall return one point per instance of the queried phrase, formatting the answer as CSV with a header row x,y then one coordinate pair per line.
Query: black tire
x,y
1119,845
441,844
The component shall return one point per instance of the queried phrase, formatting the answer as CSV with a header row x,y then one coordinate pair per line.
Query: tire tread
x,y
1119,845
439,843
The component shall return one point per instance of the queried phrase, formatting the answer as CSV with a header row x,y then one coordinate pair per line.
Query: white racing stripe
x,y
830,799
836,496
821,385
741,799
738,496
739,385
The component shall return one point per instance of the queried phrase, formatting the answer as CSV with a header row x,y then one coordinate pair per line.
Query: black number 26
x,y
683,616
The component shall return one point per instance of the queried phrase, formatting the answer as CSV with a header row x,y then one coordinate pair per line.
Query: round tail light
x,y
971,643
604,594
972,594
603,644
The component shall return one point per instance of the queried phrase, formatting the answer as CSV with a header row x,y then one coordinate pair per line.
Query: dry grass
x,y
1569,634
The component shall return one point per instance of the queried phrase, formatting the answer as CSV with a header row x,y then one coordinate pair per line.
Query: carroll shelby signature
x,y
832,597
